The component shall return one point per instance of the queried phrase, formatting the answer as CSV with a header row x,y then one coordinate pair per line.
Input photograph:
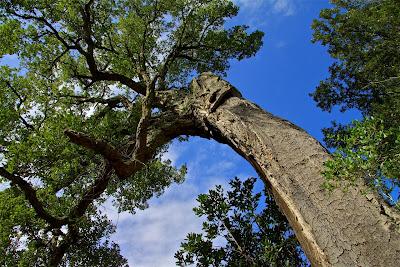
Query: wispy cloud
x,y
285,7
249,4
281,7
280,44
151,237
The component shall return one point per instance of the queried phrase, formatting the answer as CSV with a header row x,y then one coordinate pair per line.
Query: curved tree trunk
x,y
337,229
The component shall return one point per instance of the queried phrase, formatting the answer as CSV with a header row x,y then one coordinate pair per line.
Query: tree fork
x,y
334,229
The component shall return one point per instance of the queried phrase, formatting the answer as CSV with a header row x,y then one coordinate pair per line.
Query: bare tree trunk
x,y
337,229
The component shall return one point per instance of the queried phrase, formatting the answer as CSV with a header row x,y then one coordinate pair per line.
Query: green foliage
x,y
133,193
80,64
10,34
24,238
240,231
363,38
15,218
367,149
98,250
184,35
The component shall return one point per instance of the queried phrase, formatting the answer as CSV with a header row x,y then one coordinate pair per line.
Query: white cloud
x,y
151,237
173,153
249,4
283,7
280,44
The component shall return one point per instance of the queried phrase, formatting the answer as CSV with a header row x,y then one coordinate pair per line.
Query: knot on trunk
x,y
210,91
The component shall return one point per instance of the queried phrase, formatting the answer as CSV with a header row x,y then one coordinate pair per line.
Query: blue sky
x,y
279,79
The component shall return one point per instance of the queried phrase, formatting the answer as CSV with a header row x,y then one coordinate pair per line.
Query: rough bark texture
x,y
337,229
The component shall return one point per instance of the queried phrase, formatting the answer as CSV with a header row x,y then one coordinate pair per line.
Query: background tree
x,y
363,37
95,66
240,230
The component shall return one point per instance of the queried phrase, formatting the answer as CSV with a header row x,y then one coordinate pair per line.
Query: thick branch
x,y
59,251
141,148
98,187
98,75
115,77
122,167
31,196
112,102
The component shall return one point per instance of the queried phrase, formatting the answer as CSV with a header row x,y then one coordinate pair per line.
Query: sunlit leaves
x,y
10,35
17,219
130,36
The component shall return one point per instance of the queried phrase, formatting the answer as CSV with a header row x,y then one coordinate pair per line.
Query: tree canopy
x,y
81,118
363,37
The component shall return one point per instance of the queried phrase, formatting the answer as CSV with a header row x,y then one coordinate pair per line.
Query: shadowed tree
x,y
103,86
363,37
240,230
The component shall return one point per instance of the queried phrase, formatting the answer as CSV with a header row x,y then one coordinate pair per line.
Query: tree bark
x,y
334,229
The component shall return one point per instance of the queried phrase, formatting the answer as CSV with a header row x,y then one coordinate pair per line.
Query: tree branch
x,y
160,130
98,187
27,124
96,75
31,196
59,251
21,101
225,223
111,102
121,166
48,24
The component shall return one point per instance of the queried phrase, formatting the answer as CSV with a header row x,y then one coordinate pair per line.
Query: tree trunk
x,y
334,229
